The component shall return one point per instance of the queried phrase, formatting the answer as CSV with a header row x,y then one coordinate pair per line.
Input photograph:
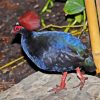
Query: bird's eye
x,y
16,29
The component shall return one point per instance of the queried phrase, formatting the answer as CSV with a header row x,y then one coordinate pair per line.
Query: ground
x,y
10,50
37,85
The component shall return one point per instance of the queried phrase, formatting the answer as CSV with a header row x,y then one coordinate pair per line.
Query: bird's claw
x,y
81,84
57,89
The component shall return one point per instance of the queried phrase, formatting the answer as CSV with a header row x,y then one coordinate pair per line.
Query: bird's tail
x,y
89,64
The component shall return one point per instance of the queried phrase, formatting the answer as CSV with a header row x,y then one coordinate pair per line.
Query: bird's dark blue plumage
x,y
53,50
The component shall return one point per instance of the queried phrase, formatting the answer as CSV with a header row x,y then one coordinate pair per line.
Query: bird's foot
x,y
62,84
81,77
81,84
57,89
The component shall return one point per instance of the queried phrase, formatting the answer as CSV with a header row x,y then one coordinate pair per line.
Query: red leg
x,y
62,84
80,75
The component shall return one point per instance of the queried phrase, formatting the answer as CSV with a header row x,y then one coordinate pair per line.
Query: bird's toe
x,y
57,89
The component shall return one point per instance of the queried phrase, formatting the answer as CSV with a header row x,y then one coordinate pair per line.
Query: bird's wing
x,y
61,60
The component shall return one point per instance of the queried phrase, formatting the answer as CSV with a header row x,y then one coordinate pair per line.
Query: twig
x,y
56,26
18,64
12,62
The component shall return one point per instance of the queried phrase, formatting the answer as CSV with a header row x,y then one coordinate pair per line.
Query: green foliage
x,y
46,7
75,10
79,18
74,6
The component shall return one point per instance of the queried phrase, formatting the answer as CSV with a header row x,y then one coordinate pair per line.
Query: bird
x,y
53,51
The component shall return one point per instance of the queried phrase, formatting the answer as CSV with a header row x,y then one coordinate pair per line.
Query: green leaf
x,y
79,18
74,6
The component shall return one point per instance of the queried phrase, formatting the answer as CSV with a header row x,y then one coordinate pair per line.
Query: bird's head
x,y
89,64
29,21
16,28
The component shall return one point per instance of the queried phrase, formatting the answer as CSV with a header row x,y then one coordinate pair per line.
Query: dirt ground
x,y
10,50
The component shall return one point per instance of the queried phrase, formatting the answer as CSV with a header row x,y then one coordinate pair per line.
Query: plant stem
x,y
70,25
45,8
56,26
